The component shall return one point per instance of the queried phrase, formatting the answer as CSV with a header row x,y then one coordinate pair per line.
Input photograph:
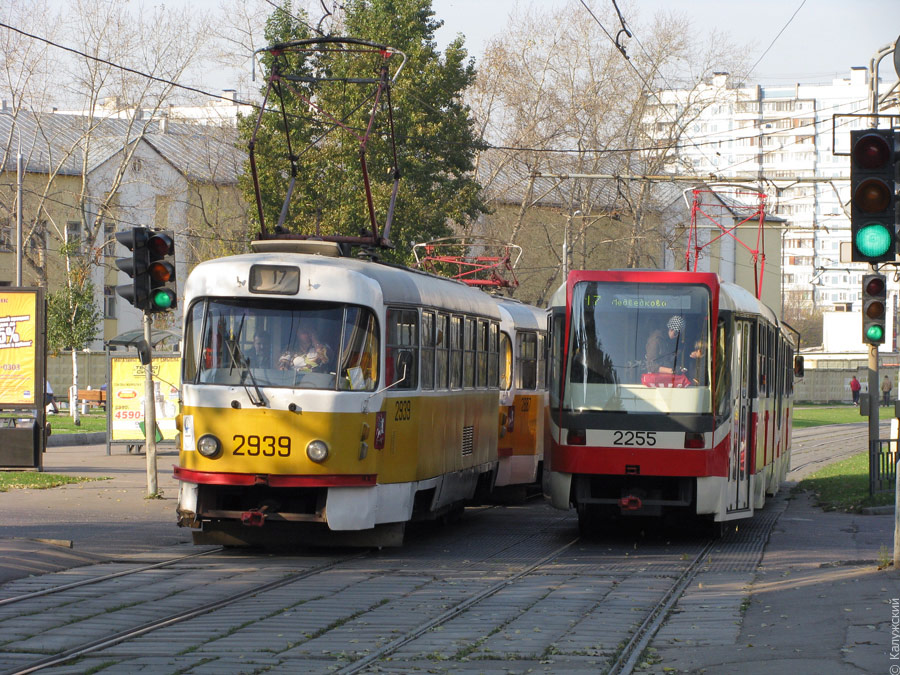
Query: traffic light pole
x,y
874,402
150,414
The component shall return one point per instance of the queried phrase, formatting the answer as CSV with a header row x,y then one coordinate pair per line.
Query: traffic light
x,y
874,297
138,291
872,203
161,270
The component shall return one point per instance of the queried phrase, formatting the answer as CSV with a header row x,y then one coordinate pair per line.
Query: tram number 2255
x,y
267,446
634,438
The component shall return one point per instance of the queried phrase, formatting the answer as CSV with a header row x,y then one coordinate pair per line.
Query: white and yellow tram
x,y
391,414
523,394
669,392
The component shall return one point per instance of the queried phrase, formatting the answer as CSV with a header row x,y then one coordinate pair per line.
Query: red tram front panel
x,y
655,381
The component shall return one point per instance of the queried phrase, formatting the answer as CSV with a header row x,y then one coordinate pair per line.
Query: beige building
x,y
179,177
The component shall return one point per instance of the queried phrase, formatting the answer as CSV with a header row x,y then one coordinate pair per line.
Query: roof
x,y
52,142
133,337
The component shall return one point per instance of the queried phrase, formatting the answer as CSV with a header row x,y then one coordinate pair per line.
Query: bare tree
x,y
127,72
556,99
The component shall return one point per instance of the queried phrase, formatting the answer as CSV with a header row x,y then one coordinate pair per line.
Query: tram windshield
x,y
637,347
271,343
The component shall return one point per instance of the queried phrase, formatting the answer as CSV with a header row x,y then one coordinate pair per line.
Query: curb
x,y
887,510
86,438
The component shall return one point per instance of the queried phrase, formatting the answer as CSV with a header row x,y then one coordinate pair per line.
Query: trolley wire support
x,y
282,82
755,204
479,261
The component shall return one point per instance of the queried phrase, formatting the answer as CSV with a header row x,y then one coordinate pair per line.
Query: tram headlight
x,y
317,451
208,445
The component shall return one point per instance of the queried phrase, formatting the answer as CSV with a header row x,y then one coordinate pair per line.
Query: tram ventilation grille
x,y
468,440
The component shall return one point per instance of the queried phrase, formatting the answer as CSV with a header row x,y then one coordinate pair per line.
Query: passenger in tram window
x,y
698,362
308,354
260,353
663,347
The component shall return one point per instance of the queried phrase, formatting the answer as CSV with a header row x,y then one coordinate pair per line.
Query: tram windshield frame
x,y
638,348
236,342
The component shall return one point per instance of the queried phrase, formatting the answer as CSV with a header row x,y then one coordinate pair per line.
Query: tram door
x,y
739,461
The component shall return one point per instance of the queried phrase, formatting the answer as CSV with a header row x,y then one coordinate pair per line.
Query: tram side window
x,y
554,366
773,336
481,354
402,348
526,363
456,357
427,350
541,358
442,351
722,393
469,353
359,351
191,360
505,362
762,343
494,355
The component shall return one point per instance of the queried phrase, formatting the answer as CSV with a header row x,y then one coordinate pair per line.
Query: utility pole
x,y
150,413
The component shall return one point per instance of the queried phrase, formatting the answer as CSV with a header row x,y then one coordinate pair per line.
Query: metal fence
x,y
882,465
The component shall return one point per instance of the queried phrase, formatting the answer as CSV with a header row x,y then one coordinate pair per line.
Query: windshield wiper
x,y
237,357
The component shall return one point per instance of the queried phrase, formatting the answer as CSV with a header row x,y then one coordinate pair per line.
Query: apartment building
x,y
791,143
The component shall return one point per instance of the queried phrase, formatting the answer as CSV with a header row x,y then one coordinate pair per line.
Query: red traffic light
x,y
875,285
161,245
871,151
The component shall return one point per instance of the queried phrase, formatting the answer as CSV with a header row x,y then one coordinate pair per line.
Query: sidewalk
x,y
816,604
86,522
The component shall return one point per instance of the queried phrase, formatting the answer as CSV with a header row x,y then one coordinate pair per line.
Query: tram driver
x,y
664,347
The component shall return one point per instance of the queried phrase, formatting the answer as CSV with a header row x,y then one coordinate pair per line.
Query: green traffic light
x,y
875,333
162,299
873,240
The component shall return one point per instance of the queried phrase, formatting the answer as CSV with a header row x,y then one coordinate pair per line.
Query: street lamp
x,y
19,175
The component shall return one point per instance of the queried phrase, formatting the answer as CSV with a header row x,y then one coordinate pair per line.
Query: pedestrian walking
x,y
886,386
855,386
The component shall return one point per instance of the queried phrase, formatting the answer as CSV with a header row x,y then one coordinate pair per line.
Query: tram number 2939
x,y
639,438
267,446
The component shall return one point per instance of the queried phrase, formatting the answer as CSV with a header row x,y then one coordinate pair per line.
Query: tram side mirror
x,y
798,366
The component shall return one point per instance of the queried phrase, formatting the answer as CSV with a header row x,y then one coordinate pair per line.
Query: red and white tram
x,y
669,392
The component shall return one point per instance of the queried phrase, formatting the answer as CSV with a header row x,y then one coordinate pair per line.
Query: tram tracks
x,y
104,577
819,446
462,595
172,619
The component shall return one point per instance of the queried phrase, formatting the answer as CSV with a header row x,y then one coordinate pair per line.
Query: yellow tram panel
x,y
236,430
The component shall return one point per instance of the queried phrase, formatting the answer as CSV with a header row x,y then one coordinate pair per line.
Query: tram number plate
x,y
402,410
267,446
639,438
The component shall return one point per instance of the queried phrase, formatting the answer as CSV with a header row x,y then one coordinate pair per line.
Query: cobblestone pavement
x,y
504,590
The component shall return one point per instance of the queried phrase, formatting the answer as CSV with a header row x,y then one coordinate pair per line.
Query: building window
x,y
109,302
6,235
73,236
109,236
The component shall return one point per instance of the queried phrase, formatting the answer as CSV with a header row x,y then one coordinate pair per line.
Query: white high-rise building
x,y
779,138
